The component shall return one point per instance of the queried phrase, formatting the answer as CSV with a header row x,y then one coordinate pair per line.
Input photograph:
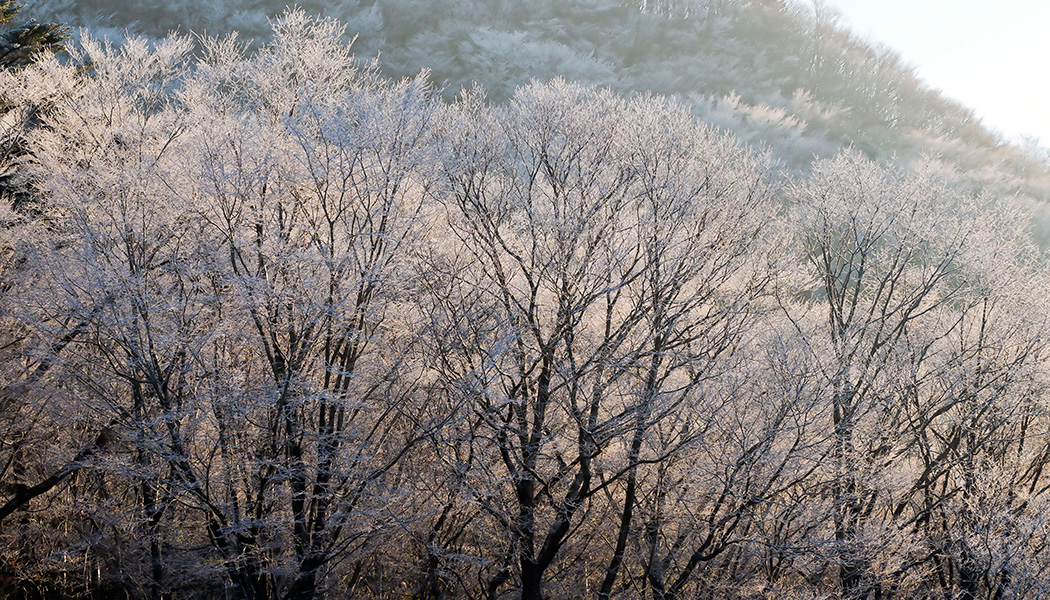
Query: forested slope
x,y
781,73
276,325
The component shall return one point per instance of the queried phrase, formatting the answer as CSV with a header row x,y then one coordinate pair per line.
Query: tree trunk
x,y
24,495
305,586
531,579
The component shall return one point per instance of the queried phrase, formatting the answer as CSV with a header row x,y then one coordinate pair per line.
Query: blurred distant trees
x,y
728,61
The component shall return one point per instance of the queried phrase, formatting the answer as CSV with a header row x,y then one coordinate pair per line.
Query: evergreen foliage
x,y
21,44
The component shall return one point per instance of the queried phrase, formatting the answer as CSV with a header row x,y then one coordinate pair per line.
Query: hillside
x,y
773,72
274,325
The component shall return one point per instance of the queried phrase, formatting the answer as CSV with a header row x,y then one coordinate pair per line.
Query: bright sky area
x,y
991,55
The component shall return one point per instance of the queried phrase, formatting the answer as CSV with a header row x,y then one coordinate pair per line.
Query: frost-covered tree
x,y
279,326
600,265
21,46
241,336
904,269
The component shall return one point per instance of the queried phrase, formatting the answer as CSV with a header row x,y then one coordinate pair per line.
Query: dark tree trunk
x,y
305,585
531,580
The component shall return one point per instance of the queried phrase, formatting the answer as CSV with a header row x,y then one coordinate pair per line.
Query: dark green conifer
x,y
21,44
